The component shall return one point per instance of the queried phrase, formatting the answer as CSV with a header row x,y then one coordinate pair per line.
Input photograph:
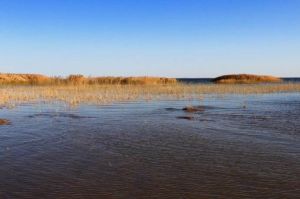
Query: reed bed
x,y
36,79
246,79
11,95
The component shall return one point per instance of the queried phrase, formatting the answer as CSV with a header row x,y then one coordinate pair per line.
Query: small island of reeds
x,y
246,79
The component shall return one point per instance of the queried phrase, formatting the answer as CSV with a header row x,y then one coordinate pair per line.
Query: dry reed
x,y
36,79
102,94
246,79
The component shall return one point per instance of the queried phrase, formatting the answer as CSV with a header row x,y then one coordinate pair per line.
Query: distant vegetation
x,y
77,89
246,79
36,79
8,78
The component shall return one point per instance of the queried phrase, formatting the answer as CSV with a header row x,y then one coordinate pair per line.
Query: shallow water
x,y
237,147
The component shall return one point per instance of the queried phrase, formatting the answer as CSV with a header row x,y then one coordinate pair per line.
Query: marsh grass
x,y
74,95
246,79
36,79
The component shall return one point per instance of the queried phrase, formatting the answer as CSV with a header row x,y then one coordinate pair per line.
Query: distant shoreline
x,y
38,79
210,80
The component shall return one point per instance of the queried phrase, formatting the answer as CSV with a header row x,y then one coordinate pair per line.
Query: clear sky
x,y
174,38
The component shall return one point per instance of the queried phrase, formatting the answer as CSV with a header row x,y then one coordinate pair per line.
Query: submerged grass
x,y
4,122
73,95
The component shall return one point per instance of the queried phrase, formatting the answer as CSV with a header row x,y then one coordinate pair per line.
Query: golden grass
x,y
11,95
36,79
8,78
246,79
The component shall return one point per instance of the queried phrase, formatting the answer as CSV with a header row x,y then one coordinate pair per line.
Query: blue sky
x,y
174,38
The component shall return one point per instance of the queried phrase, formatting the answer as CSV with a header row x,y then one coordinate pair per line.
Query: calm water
x,y
238,147
209,80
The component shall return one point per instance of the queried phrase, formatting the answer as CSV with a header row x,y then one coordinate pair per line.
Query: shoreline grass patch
x,y
36,79
11,95
246,79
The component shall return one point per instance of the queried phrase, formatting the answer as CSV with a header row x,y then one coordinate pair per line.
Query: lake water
x,y
237,147
209,80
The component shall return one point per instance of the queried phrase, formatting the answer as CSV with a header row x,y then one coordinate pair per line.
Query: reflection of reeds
x,y
107,93
246,79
